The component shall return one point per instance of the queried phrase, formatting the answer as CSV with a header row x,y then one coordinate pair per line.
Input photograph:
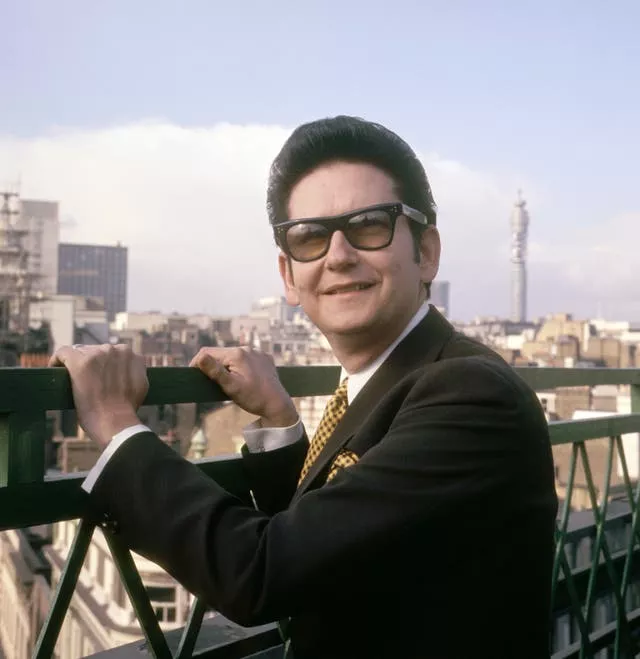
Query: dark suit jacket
x,y
438,543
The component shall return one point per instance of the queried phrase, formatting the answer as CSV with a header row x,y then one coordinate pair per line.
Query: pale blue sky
x,y
548,90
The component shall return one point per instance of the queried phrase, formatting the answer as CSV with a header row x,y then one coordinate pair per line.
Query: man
x,y
419,521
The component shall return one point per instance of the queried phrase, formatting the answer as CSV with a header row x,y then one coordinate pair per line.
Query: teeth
x,y
355,287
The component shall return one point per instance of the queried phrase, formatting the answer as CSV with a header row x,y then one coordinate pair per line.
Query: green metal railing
x,y
596,601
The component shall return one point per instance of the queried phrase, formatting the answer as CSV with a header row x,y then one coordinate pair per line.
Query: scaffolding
x,y
16,279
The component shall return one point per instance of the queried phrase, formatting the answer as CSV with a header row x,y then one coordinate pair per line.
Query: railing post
x,y
22,442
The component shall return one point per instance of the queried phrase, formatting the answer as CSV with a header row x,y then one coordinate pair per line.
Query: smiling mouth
x,y
349,289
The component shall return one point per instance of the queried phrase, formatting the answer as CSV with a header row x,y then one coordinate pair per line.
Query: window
x,y
165,613
161,594
163,601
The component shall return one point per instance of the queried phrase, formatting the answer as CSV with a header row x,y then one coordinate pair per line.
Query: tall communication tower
x,y
519,234
16,280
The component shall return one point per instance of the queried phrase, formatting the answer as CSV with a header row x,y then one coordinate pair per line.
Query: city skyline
x,y
160,147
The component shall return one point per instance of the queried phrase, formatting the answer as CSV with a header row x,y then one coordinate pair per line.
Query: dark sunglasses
x,y
367,229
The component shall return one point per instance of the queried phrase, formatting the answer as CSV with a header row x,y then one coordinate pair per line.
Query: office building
x,y
94,271
39,219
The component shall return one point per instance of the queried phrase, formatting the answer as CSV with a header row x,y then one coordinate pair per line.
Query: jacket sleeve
x,y
273,475
466,445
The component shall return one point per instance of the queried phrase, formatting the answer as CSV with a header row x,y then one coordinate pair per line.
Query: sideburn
x,y
290,266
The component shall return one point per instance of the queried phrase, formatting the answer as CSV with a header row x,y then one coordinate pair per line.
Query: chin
x,y
349,328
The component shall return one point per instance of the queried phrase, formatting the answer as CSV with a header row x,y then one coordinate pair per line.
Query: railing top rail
x,y
611,425
35,389
550,378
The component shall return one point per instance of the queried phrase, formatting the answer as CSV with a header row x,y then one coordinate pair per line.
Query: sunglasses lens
x,y
307,241
370,230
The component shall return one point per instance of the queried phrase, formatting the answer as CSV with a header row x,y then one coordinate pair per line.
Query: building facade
x,y
100,615
40,220
29,232
25,593
94,271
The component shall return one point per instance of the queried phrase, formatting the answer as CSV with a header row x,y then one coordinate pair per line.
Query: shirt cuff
x,y
260,440
116,442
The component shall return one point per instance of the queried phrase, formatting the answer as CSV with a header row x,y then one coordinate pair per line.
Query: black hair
x,y
349,139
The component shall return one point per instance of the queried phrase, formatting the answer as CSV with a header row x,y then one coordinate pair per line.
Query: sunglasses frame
x,y
340,223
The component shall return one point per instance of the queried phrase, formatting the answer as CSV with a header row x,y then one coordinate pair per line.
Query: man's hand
x,y
250,379
108,382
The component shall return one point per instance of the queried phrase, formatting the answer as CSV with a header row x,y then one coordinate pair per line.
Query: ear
x,y
290,290
429,254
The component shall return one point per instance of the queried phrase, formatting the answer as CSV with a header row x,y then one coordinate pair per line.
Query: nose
x,y
341,254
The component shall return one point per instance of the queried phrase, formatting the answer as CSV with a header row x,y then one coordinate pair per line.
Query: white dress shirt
x,y
260,439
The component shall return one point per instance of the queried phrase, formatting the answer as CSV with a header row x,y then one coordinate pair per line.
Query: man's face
x,y
373,294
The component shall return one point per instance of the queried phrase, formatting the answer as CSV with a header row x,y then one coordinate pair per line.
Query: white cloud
x,y
598,267
189,203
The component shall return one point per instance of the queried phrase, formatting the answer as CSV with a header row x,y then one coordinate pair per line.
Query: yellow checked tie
x,y
333,412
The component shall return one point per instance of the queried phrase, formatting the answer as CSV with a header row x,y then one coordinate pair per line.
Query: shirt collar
x,y
358,380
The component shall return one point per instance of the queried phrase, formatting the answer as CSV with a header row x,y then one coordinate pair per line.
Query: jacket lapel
x,y
421,346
